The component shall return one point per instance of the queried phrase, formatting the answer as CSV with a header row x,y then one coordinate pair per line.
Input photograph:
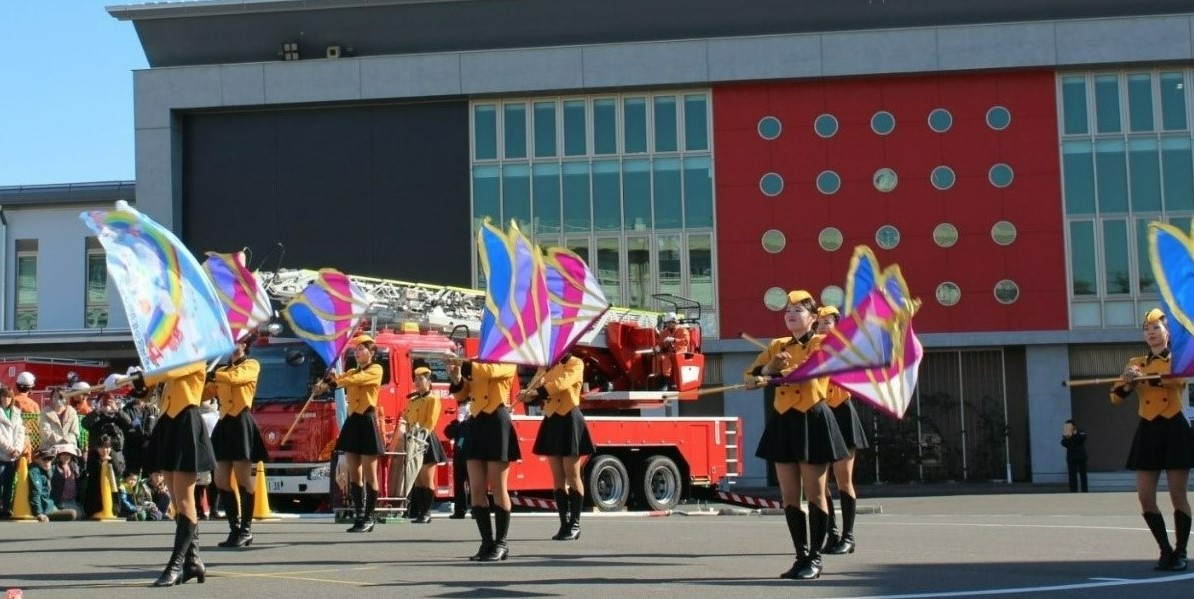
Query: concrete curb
x,y
693,513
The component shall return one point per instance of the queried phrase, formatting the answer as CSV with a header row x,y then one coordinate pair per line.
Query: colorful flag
x,y
246,302
861,277
576,298
327,313
862,339
516,324
1171,252
173,310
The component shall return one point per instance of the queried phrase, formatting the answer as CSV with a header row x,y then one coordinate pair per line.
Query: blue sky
x,y
66,92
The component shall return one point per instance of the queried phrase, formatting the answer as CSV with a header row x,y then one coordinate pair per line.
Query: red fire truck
x,y
51,372
641,461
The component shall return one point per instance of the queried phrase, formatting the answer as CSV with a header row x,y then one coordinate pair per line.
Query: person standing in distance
x,y
1073,439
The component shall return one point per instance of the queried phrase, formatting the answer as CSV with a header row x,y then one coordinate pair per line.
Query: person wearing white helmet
x,y
25,383
671,339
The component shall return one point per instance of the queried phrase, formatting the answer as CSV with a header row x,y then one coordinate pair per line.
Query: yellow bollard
x,y
261,509
21,508
107,483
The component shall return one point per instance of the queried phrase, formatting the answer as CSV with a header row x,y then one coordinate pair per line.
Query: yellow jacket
x,y
423,410
836,396
488,384
562,383
184,387
1159,397
361,386
236,384
800,396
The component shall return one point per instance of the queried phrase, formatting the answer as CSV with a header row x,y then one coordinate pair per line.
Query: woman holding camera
x,y
236,441
360,439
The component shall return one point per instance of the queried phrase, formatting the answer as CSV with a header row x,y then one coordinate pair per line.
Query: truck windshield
x,y
287,372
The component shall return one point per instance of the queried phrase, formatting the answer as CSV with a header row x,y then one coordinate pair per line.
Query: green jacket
x,y
39,492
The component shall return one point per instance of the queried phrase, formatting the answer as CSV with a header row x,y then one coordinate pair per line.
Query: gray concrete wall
x,y
1048,408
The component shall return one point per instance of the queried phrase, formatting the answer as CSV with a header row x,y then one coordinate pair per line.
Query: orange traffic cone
x,y
21,508
107,484
261,509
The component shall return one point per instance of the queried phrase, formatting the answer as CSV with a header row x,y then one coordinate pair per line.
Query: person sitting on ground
x,y
131,495
64,479
41,499
159,494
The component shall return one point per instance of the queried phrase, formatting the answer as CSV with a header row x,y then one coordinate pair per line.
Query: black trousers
x,y
459,478
1077,474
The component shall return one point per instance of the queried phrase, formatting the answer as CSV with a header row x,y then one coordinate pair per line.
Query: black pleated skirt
x,y
564,436
434,454
491,437
1162,444
180,444
796,436
237,438
360,435
853,431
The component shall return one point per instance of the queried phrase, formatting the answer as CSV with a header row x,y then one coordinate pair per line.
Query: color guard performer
x,y
563,439
854,434
492,445
801,434
237,440
1163,439
423,409
360,439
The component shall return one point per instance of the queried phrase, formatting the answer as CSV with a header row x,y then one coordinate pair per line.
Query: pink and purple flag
x,y
576,298
245,301
516,324
327,312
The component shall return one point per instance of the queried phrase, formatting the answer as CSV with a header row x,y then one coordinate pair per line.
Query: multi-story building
x,y
1008,155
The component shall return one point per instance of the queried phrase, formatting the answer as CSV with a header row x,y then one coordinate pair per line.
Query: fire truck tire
x,y
608,483
662,484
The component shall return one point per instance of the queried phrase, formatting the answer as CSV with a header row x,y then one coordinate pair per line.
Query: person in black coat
x,y
107,427
457,430
1074,441
142,418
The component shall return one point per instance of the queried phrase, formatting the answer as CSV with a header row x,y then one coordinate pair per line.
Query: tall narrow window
x,y
26,312
638,266
671,273
700,268
609,269
1082,257
1073,100
96,310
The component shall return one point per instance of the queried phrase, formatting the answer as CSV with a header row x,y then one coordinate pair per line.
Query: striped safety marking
x,y
745,500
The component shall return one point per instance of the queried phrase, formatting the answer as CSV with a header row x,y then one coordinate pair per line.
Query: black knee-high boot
x,y
798,528
249,501
1183,537
845,544
356,497
423,505
816,529
368,522
485,527
562,499
501,526
182,542
576,503
232,513
1156,524
831,533
192,566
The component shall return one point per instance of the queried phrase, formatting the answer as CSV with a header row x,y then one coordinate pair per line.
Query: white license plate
x,y
275,485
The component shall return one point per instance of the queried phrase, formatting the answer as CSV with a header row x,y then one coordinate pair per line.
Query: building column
x,y
1048,409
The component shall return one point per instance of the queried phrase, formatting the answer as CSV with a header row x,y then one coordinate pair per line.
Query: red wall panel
x,y
1035,261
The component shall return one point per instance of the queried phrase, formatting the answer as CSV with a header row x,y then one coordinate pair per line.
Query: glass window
x,y
26,310
825,125
487,195
1073,103
828,182
636,194
830,239
607,196
665,124
1000,175
883,122
885,180
1144,168
775,299
1181,222
770,127
96,315
696,127
575,119
1007,292
1003,232
1078,163
638,269
514,131
1178,184
1111,176
669,210
945,235
1082,257
1107,103
774,241
485,132
940,120
634,125
546,192
667,257
999,118
545,129
833,296
516,195
948,294
1115,257
580,247
942,177
700,268
771,184
577,215
1173,100
888,237
605,126
698,192
609,270
1140,102
1144,268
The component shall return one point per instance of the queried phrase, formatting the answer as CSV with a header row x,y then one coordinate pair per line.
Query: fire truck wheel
x,y
608,483
661,483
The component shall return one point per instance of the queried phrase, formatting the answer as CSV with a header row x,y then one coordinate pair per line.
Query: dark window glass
x,y
1140,102
487,195
666,186
545,129
574,128
607,196
1112,179
1079,177
696,128
605,126
1178,184
1173,101
1144,166
516,195
547,197
698,192
1082,257
665,124
515,132
1115,257
634,115
485,131
1073,103
577,217
636,194
1107,103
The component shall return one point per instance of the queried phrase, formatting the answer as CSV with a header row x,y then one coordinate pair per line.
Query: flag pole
x,y
1115,379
